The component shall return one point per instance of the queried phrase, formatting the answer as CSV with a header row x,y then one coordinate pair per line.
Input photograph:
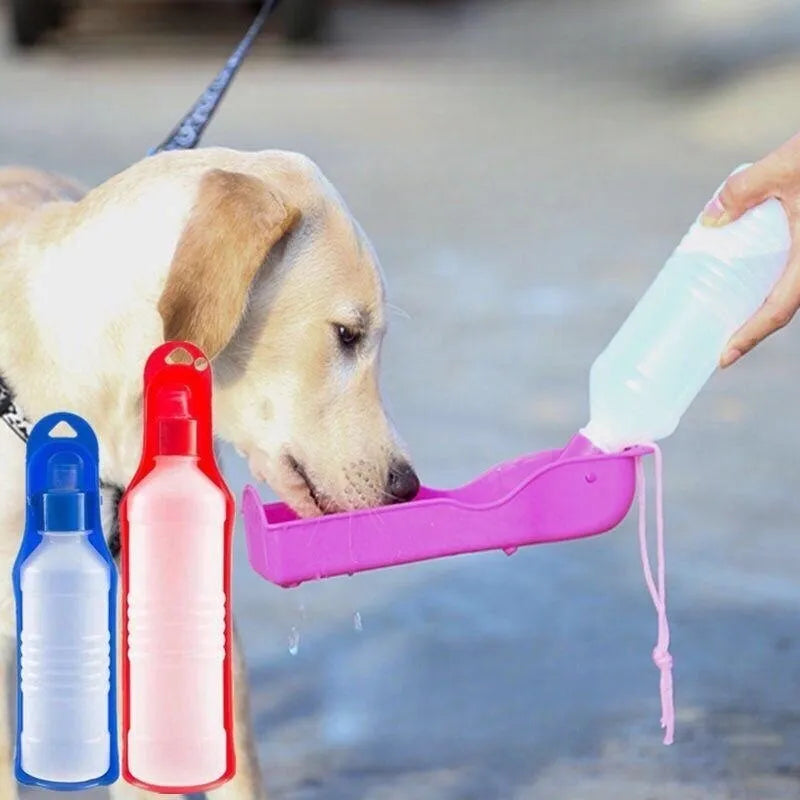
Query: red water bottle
x,y
176,522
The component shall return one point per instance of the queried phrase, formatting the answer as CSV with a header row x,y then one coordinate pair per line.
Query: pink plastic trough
x,y
550,496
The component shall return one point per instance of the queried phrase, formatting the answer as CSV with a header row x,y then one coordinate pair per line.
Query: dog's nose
x,y
402,484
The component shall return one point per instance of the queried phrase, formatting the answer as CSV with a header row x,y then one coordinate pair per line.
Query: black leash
x,y
189,130
185,136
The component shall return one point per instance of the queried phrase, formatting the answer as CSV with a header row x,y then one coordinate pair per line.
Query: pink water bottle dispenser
x,y
176,520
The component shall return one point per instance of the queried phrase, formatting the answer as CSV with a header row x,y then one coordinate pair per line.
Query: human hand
x,y
776,175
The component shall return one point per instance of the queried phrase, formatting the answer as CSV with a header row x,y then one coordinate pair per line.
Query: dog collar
x,y
11,414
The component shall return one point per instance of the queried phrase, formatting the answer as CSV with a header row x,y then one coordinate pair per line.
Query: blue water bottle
x,y
65,590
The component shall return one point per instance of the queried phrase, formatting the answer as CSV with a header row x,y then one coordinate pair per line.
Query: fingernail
x,y
714,215
730,357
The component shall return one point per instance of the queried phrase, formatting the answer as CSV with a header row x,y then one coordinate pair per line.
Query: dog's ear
x,y
235,222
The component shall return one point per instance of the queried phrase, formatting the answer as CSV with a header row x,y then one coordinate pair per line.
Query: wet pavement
x,y
523,169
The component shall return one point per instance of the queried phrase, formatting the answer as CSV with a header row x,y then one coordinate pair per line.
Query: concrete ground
x,y
523,168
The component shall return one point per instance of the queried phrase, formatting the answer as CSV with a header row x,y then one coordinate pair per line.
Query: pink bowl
x,y
550,496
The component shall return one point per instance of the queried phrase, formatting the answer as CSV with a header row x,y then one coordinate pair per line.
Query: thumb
x,y
742,191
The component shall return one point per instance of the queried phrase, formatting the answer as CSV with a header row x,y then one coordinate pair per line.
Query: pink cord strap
x,y
658,591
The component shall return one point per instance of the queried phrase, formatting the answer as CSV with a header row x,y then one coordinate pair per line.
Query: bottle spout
x,y
63,504
64,475
174,404
177,429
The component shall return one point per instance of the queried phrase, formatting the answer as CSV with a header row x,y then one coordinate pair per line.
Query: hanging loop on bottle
x,y
657,588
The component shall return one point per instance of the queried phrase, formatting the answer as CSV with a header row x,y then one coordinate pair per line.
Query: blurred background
x,y
523,167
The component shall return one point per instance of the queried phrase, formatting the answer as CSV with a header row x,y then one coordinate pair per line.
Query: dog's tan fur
x,y
202,302
256,259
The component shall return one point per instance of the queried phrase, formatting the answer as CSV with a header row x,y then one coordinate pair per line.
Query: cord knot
x,y
662,658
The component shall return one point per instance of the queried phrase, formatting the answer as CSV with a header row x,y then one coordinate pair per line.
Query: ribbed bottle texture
x,y
669,346
176,626
65,660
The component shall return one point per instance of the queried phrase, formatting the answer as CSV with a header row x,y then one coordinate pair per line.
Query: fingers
x,y
777,175
777,311
741,192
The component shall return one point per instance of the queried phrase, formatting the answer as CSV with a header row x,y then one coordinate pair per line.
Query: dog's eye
x,y
348,337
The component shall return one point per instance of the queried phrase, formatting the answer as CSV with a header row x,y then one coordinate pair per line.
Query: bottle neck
x,y
177,436
595,435
64,511
63,536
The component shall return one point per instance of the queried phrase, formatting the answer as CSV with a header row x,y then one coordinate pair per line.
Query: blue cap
x,y
63,505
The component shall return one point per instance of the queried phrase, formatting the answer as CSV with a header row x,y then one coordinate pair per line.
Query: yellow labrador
x,y
254,257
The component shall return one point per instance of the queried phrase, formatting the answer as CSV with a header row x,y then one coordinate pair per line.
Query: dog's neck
x,y
118,461
59,346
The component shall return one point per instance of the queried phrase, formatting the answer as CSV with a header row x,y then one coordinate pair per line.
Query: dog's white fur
x,y
256,259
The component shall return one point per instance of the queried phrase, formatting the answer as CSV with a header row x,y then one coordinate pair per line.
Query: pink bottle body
x,y
176,626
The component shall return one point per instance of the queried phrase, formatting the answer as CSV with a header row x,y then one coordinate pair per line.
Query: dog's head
x,y
274,280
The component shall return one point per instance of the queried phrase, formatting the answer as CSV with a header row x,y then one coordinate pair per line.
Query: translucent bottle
x,y
717,278
65,588
176,612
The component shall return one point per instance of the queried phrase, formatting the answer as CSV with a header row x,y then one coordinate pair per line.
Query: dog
x,y
255,258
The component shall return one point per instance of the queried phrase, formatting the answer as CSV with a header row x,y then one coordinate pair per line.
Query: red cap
x,y
177,431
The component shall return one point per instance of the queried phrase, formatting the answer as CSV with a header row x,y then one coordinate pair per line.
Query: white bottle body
x,y
176,626
670,345
65,665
